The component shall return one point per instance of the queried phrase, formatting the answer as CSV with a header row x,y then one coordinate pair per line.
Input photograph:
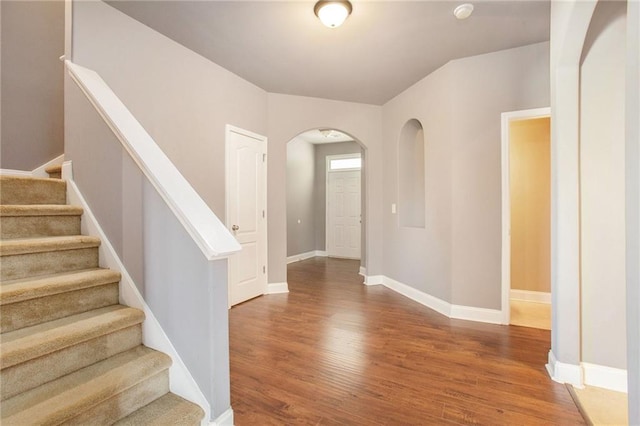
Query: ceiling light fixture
x,y
333,13
329,133
463,11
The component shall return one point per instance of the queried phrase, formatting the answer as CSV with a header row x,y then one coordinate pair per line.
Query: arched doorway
x,y
321,221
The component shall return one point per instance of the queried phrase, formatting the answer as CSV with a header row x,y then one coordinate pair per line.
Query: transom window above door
x,y
353,163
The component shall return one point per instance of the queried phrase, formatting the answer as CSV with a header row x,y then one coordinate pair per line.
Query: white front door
x,y
343,214
246,213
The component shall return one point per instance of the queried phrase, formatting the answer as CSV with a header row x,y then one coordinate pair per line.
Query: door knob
x,y
235,227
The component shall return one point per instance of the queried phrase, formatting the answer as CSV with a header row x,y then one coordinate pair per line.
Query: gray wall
x,y
602,183
288,117
306,194
321,153
301,209
632,151
457,256
31,83
145,68
186,292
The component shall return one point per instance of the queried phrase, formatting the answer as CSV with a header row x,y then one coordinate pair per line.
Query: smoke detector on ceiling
x,y
463,11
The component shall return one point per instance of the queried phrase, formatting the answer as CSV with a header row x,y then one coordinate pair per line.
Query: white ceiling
x,y
382,49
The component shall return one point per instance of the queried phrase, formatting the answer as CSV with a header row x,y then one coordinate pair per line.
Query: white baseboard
x,y
425,299
469,313
305,256
362,271
605,377
40,171
181,381
301,256
564,373
277,288
11,172
530,296
224,419
373,279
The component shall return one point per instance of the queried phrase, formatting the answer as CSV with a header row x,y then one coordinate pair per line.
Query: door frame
x,y
326,201
229,129
506,118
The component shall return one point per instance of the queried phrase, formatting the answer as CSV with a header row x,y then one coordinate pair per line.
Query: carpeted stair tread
x,y
29,190
47,244
31,288
54,172
169,409
70,396
39,210
39,220
39,340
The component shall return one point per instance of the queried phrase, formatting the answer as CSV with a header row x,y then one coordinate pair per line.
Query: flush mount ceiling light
x,y
330,133
333,13
463,11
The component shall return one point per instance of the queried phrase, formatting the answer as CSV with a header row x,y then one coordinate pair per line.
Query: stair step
x,y
40,220
98,394
43,339
54,172
28,190
169,409
30,257
30,374
31,301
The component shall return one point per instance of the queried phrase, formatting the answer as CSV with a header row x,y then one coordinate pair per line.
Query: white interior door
x,y
343,214
246,213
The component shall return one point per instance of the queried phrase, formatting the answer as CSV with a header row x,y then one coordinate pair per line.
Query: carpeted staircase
x,y
69,353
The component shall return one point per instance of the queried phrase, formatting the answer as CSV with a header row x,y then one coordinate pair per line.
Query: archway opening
x,y
326,196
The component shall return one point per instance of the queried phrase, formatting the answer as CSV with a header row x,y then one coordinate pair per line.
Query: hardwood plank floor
x,y
334,351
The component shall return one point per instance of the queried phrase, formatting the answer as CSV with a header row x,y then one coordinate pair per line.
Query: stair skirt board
x,y
181,381
70,352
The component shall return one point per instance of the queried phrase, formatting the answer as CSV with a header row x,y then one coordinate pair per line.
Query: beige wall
x,y
530,193
31,83
602,184
145,69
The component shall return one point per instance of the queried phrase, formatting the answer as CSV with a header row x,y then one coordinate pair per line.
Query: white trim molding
x,y
277,288
362,271
207,231
180,380
224,419
469,313
530,296
305,256
605,377
506,119
40,171
11,172
564,373
423,298
373,279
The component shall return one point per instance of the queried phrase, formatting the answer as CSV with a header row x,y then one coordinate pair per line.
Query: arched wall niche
x,y
411,175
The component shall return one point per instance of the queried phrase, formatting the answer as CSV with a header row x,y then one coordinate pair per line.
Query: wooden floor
x,y
334,351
